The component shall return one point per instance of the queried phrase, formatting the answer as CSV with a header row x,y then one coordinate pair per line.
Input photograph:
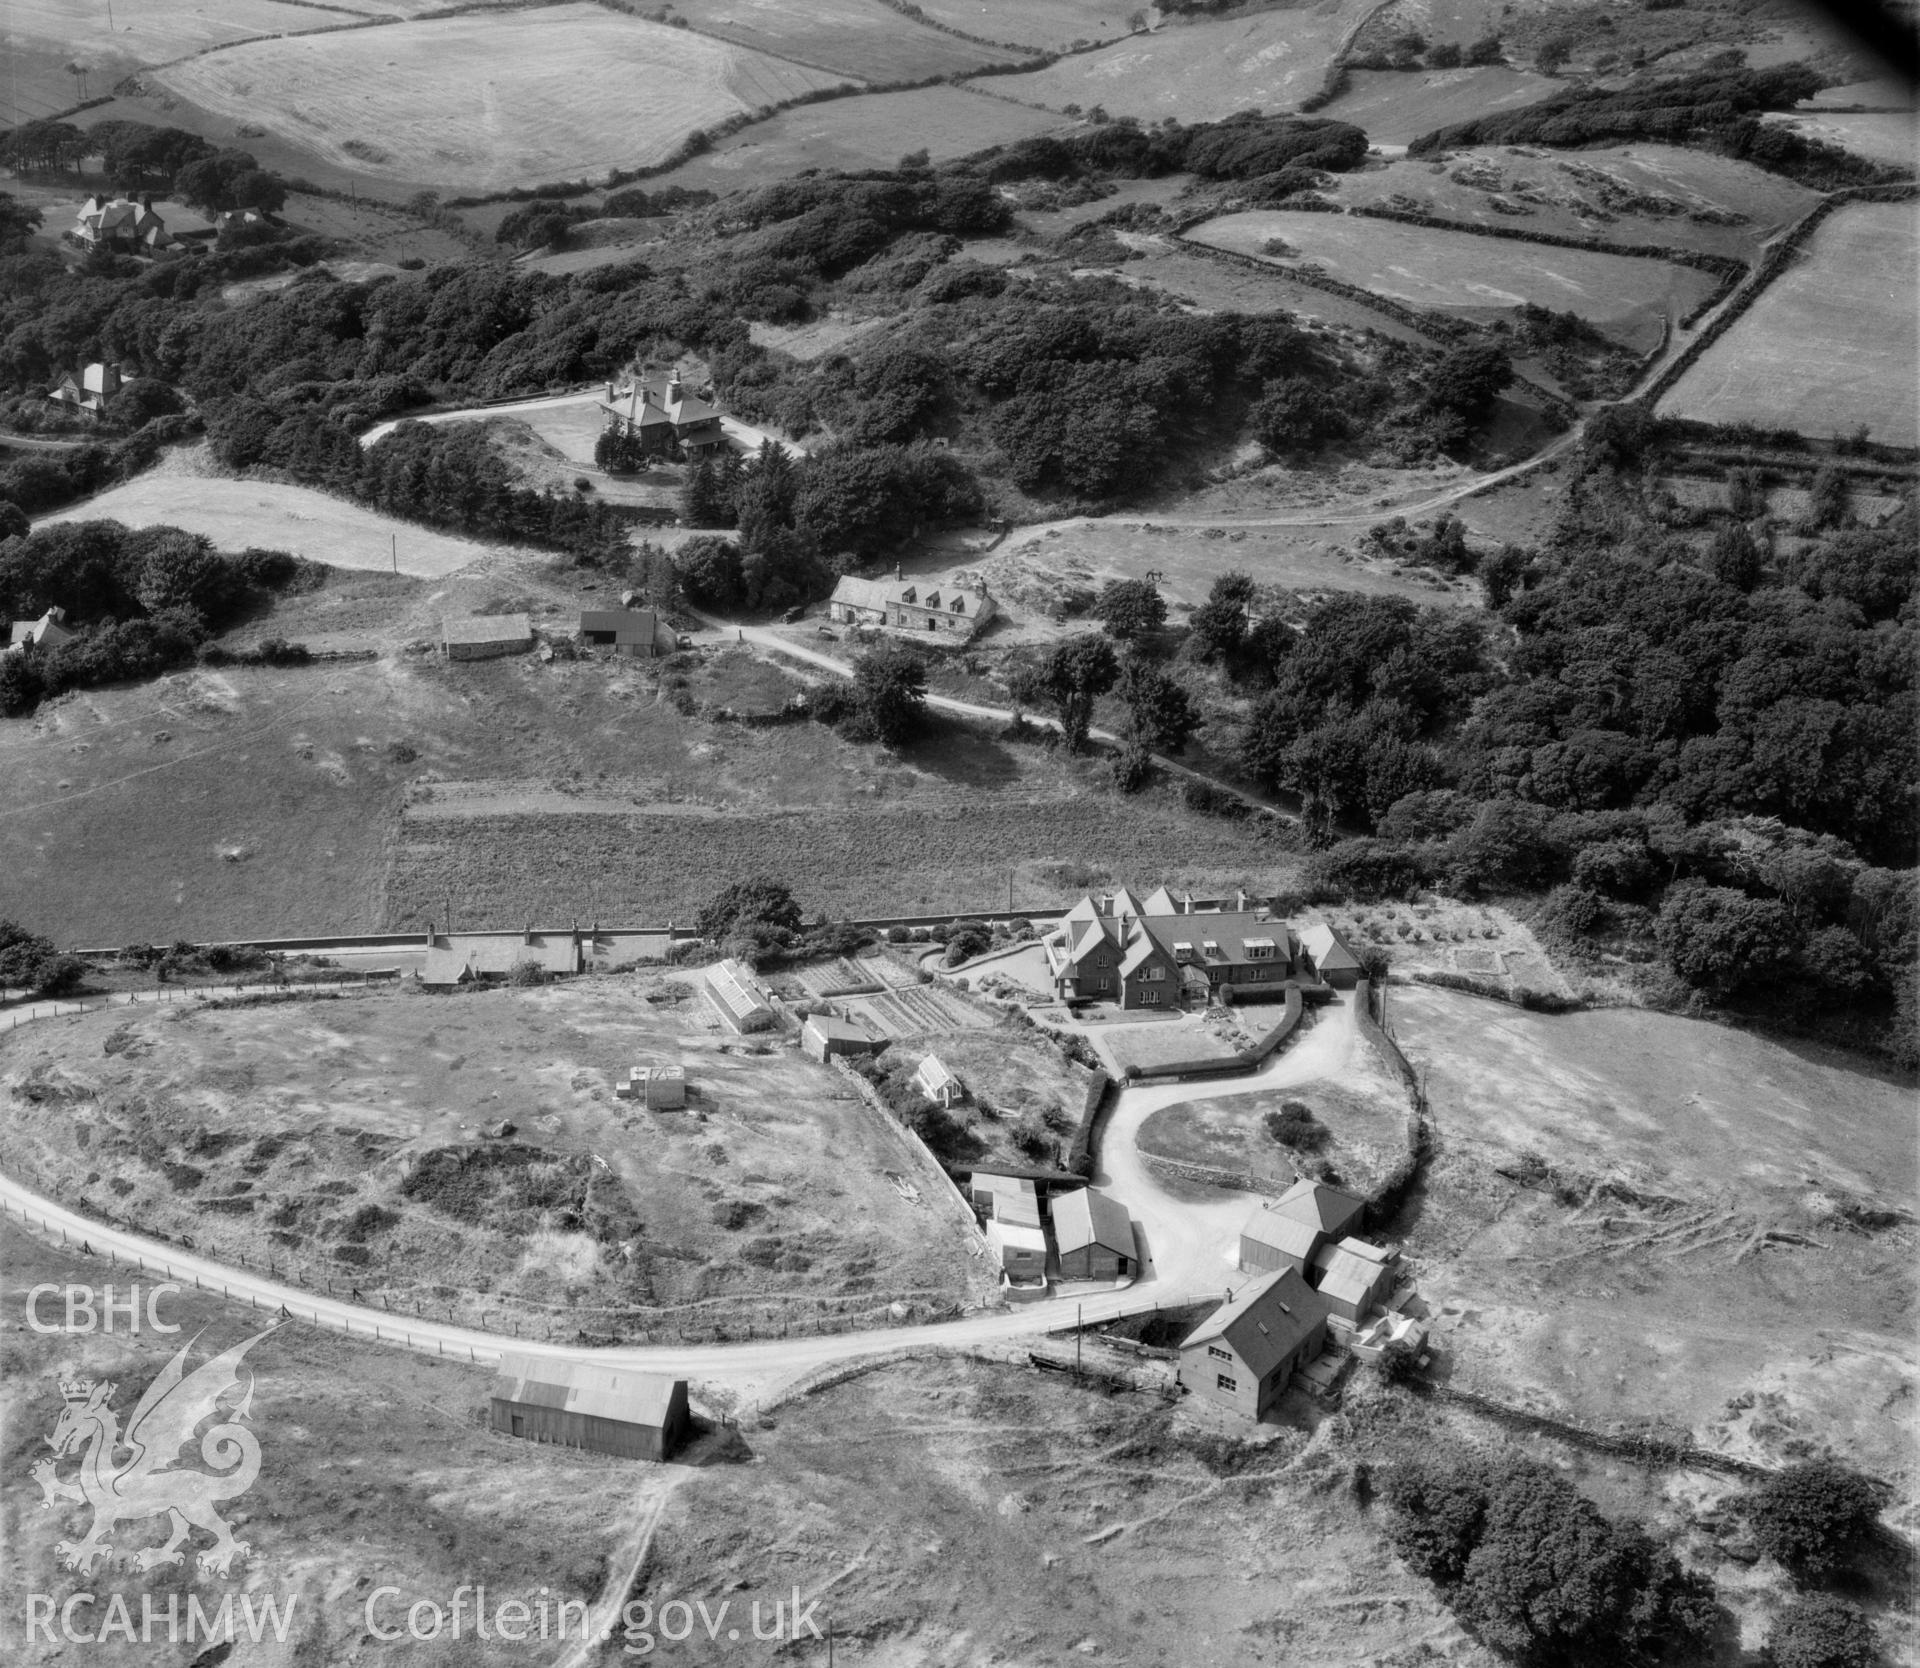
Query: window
x,y
1259,973
1150,998
1218,1353
1153,975
1222,1382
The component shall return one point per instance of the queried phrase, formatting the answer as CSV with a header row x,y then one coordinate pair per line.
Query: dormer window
x,y
1259,949
1211,947
1183,951
907,595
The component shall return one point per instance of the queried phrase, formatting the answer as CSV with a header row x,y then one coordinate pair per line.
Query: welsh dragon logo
x,y
150,1481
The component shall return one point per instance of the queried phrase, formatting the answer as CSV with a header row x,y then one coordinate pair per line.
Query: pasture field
x,y
1396,107
1045,25
486,101
271,516
345,1139
1457,272
1199,71
360,1444
153,31
848,37
1624,194
1831,344
870,131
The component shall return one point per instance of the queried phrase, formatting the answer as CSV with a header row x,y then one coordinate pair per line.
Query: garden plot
x,y
916,1010
474,1145
1199,71
490,100
1456,272
1830,345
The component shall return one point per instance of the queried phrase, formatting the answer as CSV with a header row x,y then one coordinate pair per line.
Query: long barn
x,y
578,1404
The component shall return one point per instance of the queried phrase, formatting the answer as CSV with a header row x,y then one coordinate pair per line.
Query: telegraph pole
x,y
393,540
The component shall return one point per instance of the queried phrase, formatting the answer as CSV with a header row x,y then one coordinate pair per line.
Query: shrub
x,y
1822,1632
1295,1126
1812,1517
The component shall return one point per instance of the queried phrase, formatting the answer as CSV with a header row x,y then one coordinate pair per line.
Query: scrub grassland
x,y
487,101
466,1156
862,38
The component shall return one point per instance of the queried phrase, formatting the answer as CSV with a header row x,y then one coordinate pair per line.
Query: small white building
x,y
1021,1251
937,1083
658,1088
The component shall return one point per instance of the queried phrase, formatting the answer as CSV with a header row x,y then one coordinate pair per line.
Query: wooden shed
x,y
1094,1236
581,1404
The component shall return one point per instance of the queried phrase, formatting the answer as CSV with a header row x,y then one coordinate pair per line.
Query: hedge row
x,y
1770,268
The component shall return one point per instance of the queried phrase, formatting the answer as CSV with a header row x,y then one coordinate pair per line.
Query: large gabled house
x,y
1149,954
121,225
90,389
666,417
949,610
1242,1356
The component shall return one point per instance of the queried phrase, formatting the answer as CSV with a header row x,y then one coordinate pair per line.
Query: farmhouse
x,y
1243,1354
666,418
636,633
1286,1232
938,1084
736,996
121,225
482,636
578,1404
89,389
823,1036
1093,1235
47,632
490,957
1114,948
954,611
1331,956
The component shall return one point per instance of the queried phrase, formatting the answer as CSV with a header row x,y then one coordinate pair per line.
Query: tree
x,y
1469,379
1734,559
30,962
18,222
1485,51
1720,939
758,902
230,180
1820,1631
890,689
710,572
1812,1516
1075,675
1130,609
1160,712
1220,623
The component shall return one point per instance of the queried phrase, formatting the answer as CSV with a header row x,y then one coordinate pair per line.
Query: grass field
x,y
1457,272
1830,345
1885,136
487,101
236,514
1623,194
153,31
361,1446
1396,107
850,37
1199,71
871,131
1047,25
1364,1113
772,1182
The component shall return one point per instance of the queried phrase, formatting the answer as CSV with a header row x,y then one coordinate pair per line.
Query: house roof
x,y
836,1030
1090,1217
46,630
486,628
1264,1320
1021,1236
871,594
1288,1234
589,1388
735,989
1329,950
1355,1271
1140,951
1322,1207
629,625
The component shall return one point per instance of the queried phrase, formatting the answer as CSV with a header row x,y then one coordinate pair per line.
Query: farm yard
x,y
872,130
1830,345
345,1138
1199,71
1458,272
860,38
486,101
1642,194
275,516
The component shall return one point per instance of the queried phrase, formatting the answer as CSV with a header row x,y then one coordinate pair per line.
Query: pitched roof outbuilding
x,y
1264,1320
